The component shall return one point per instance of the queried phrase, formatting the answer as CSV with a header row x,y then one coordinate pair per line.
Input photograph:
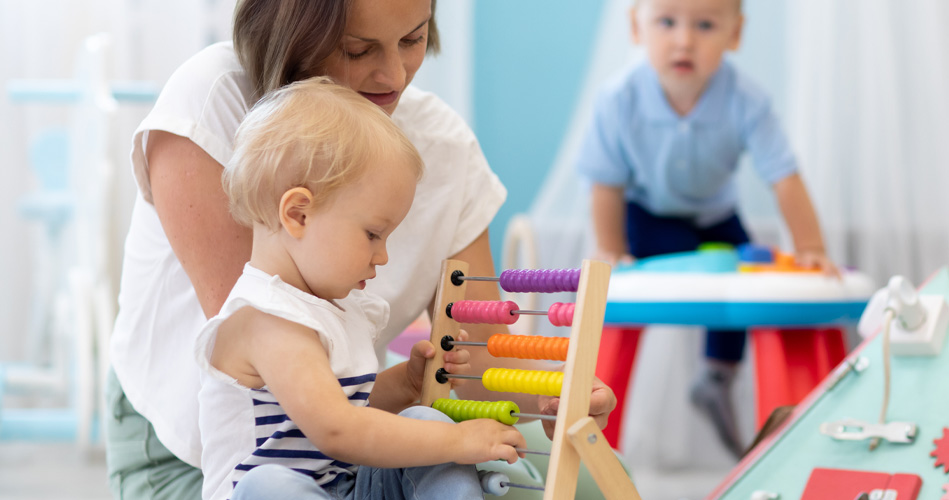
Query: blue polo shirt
x,y
683,166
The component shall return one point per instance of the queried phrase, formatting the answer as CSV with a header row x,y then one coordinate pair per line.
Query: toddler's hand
x,y
456,361
613,258
483,439
817,259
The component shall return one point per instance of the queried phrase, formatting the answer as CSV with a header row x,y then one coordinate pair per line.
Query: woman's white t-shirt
x,y
159,313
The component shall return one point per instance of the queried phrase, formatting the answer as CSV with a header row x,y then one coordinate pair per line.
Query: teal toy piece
x,y
716,260
704,288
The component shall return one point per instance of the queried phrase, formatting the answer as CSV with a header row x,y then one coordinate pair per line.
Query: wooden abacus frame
x,y
576,435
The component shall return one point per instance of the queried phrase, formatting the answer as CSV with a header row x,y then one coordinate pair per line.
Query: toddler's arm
x,y
400,386
802,222
259,349
608,206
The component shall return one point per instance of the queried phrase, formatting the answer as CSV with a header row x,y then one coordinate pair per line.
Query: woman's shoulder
x,y
213,67
204,100
422,114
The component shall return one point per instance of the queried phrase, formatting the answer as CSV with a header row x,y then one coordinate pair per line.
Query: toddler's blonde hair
x,y
640,3
314,134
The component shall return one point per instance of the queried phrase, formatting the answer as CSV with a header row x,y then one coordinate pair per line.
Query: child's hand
x,y
613,258
483,439
817,259
456,361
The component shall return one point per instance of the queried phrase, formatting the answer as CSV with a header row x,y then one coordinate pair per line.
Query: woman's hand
x,y
602,403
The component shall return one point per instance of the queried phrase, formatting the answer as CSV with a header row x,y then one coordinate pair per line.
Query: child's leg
x,y
437,482
711,391
649,235
274,482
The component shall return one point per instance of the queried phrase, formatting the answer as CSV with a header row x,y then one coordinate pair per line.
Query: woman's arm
x,y
193,209
802,222
480,262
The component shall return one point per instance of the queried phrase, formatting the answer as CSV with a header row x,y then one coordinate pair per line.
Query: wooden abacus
x,y
576,435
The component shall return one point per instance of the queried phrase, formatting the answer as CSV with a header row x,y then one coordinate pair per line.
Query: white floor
x,y
58,471
51,471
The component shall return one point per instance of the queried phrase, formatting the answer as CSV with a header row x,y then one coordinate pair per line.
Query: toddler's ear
x,y
633,25
294,205
736,37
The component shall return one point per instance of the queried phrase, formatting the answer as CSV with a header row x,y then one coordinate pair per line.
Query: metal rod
x,y
470,377
478,278
552,418
524,486
533,452
460,342
524,311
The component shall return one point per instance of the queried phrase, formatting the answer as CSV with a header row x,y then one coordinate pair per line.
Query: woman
x,y
184,252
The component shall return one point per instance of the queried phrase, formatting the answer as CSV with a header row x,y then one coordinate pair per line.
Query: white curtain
x,y
40,40
661,432
870,121
867,114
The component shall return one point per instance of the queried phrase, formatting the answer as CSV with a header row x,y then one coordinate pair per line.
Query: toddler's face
x,y
685,39
345,237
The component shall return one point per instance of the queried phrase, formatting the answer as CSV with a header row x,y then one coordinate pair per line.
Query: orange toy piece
x,y
528,347
783,263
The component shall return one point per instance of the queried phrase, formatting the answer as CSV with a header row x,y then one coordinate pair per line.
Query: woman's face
x,y
382,47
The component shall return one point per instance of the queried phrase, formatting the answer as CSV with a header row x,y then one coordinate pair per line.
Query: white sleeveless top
x,y
241,427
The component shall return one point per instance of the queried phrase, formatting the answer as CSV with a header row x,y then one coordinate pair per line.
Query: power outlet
x,y
928,338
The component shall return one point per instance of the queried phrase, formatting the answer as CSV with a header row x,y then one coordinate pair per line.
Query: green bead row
x,y
460,410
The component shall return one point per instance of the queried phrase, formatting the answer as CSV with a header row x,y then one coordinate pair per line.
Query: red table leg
x,y
614,367
789,363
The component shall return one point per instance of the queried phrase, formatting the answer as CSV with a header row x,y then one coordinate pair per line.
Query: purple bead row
x,y
540,280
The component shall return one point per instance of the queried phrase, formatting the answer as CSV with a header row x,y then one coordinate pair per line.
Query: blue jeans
x,y
651,235
437,482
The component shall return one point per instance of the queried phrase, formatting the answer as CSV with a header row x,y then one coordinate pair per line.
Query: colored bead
x,y
541,383
528,347
484,311
460,410
561,314
540,280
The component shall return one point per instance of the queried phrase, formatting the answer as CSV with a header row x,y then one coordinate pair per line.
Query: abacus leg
x,y
596,453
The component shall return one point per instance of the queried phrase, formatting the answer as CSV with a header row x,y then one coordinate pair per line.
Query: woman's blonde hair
x,y
283,41
314,134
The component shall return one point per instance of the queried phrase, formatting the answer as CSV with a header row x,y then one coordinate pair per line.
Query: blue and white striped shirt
x,y
241,427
